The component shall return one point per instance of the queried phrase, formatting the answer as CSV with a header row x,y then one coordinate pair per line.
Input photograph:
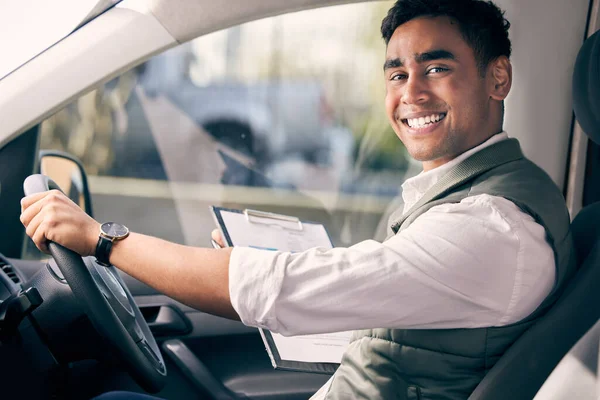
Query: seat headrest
x,y
586,87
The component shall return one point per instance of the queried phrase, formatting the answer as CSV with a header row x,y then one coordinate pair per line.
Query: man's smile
x,y
423,122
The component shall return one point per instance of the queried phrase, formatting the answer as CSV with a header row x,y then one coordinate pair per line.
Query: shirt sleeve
x,y
480,262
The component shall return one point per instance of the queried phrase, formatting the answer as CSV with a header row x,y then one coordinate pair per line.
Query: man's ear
x,y
500,78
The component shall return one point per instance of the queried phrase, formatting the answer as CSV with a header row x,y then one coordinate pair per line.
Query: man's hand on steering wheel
x,y
60,228
53,216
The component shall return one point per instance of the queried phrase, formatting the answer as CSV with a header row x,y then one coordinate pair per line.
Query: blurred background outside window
x,y
284,114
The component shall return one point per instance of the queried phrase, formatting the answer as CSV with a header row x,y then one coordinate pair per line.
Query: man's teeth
x,y
424,121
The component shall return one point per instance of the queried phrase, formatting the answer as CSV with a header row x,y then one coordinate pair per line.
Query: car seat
x,y
525,366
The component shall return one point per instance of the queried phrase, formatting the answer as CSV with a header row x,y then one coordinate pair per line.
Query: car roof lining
x,y
186,20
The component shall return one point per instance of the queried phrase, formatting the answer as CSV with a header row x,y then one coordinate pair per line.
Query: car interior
x,y
70,328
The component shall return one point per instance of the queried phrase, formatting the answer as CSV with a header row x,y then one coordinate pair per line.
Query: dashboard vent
x,y
9,271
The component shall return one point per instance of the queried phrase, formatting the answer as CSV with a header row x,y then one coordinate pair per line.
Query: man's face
x,y
436,100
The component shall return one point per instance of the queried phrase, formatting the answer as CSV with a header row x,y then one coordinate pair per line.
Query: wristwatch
x,y
109,233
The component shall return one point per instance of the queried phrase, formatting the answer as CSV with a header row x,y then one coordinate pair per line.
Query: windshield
x,y
267,115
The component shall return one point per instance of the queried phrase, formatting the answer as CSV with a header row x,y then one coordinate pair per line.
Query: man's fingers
x,y
52,216
32,199
39,237
33,225
38,214
216,236
34,204
31,211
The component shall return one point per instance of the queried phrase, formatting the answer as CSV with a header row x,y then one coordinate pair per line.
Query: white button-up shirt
x,y
478,263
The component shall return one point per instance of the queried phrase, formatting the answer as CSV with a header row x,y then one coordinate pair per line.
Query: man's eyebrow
x,y
434,55
420,58
392,63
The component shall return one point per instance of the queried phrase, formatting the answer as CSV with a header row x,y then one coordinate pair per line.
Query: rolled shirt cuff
x,y
255,281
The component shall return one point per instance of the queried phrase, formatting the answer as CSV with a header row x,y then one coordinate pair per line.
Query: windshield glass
x,y
284,115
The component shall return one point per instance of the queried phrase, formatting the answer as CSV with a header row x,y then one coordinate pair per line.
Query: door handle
x,y
166,320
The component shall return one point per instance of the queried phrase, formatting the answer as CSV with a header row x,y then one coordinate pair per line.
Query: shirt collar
x,y
414,188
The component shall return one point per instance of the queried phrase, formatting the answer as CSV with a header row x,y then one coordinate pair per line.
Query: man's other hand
x,y
52,216
216,236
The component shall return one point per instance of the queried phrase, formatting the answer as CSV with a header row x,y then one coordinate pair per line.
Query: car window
x,y
284,114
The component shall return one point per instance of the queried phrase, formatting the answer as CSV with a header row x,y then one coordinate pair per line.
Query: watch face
x,y
113,229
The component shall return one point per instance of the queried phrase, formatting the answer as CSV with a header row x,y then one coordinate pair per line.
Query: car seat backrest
x,y
576,376
522,370
586,87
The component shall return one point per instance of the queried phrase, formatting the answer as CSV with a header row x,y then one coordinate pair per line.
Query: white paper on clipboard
x,y
258,231
270,231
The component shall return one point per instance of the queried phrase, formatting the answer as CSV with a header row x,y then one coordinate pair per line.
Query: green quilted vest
x,y
430,364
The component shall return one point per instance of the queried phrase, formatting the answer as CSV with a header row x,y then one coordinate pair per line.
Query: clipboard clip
x,y
296,223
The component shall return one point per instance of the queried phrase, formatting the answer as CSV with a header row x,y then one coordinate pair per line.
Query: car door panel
x,y
227,352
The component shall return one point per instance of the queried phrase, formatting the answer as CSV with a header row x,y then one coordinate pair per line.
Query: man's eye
x,y
398,77
437,70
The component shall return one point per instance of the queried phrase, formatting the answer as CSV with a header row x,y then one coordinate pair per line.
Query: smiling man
x,y
480,249
445,81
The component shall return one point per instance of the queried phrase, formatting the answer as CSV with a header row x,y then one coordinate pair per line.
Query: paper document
x,y
328,348
275,232
266,233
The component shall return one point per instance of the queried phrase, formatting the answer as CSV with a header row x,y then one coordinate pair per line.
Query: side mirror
x,y
68,172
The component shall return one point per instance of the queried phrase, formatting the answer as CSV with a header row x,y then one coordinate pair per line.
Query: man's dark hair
x,y
481,23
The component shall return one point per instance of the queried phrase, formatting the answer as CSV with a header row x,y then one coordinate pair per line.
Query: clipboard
x,y
286,223
292,225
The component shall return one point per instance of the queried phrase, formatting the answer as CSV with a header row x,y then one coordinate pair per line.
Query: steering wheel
x,y
109,305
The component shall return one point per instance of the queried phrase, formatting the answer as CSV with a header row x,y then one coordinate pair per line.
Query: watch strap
x,y
103,249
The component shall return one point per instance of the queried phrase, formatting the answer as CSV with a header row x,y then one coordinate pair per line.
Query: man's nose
x,y
415,91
